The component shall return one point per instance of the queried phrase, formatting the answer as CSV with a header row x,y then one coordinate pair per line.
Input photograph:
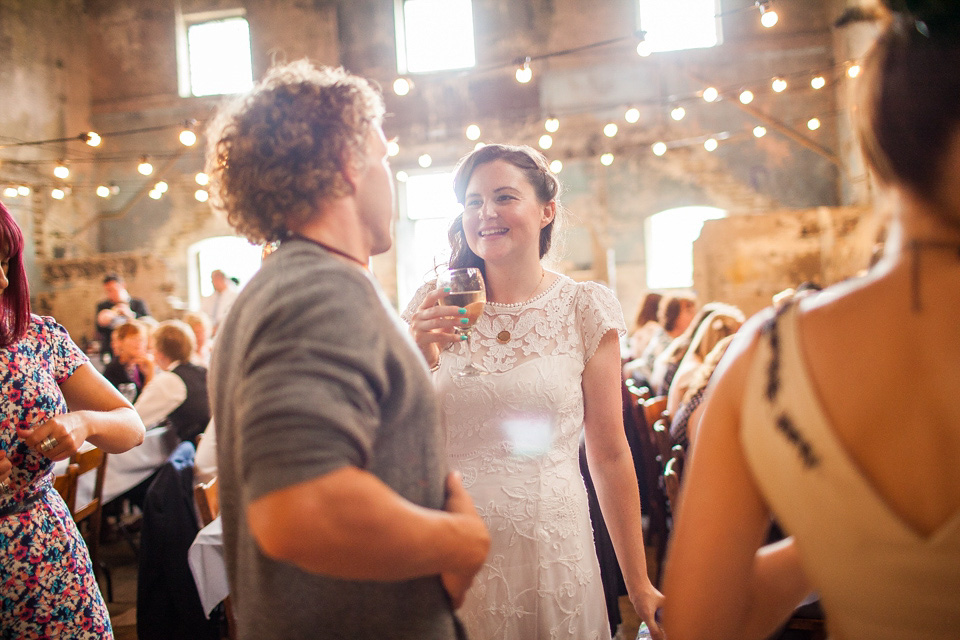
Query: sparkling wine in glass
x,y
466,290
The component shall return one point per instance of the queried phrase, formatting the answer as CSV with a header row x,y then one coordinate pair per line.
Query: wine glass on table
x,y
464,288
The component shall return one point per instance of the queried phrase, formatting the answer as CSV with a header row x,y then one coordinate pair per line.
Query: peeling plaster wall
x,y
118,71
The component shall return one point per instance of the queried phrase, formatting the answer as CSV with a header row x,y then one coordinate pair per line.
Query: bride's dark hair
x,y
537,170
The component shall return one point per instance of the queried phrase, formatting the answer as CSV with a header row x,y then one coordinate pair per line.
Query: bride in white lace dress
x,y
551,351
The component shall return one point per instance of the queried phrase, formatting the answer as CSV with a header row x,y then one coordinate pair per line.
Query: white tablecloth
x,y
208,566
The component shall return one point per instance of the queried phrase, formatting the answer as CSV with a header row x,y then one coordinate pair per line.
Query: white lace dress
x,y
514,434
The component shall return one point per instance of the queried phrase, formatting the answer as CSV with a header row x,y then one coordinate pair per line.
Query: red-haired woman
x,y
52,401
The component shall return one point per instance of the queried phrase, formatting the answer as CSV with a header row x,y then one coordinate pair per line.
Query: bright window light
x,y
219,57
680,24
434,35
427,207
669,239
234,256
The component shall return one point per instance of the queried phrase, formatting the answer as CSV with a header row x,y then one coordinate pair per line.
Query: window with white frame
x,y
434,35
672,25
669,237
213,53
427,207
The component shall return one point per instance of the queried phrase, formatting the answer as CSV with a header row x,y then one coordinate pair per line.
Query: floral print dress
x,y
47,585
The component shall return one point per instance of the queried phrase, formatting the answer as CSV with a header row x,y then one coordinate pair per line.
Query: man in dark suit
x,y
117,309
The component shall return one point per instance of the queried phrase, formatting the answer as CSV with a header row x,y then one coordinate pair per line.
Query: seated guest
x,y
686,419
177,391
723,322
129,356
675,315
200,323
645,326
666,364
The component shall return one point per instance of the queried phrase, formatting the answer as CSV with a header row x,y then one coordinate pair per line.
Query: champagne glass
x,y
464,288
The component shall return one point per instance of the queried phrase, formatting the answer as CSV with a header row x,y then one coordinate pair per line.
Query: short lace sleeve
x,y
598,312
418,297
65,356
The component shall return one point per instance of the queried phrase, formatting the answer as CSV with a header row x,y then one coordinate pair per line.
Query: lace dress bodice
x,y
514,434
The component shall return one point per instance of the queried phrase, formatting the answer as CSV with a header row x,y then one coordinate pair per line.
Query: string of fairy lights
x,y
676,106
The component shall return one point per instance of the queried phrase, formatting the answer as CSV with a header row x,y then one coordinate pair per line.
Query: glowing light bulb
x,y
711,94
678,113
145,168
711,144
746,97
393,148
606,159
93,138
768,17
402,86
779,85
23,190
610,129
202,179
103,191
813,124
10,192
818,82
853,71
58,194
402,176
643,49
473,132
479,145
161,186
188,138
546,141
551,124
759,132
659,148
425,160
524,73
201,195
632,115
156,195
556,166
61,171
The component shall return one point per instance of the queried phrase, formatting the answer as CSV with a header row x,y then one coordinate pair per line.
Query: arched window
x,y
235,256
669,243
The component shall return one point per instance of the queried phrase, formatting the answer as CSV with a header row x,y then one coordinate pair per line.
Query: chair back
x,y
672,477
662,441
653,408
207,497
66,485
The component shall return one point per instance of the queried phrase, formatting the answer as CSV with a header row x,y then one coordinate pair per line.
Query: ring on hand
x,y
4,486
49,444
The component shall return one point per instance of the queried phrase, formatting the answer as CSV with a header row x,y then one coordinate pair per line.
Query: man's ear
x,y
352,169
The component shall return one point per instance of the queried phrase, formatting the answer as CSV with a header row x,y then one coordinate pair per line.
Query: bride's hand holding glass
x,y
435,325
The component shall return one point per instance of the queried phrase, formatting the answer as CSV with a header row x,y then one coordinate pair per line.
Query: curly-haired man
x,y
338,519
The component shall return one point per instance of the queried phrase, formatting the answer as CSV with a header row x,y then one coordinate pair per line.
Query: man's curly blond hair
x,y
275,154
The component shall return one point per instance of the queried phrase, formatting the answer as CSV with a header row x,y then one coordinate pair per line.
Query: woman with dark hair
x,y
801,422
53,401
645,325
550,348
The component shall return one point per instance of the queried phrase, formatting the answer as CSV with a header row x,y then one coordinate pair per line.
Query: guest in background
x,y
666,364
200,323
675,314
177,391
838,415
131,361
645,326
723,322
686,418
117,309
52,401
218,304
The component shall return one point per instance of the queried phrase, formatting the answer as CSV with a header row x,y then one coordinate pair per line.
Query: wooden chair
x,y
672,475
66,485
92,461
653,501
207,498
660,433
653,408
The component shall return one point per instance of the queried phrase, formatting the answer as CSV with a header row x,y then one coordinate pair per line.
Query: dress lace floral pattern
x,y
514,435
47,586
